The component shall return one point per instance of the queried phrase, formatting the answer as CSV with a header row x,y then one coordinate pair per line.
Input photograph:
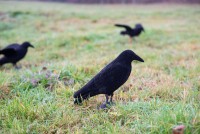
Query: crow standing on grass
x,y
131,32
109,79
14,53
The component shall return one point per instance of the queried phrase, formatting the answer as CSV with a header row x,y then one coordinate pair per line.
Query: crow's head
x,y
129,55
27,44
139,26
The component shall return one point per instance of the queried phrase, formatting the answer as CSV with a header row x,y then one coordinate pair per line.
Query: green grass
x,y
73,42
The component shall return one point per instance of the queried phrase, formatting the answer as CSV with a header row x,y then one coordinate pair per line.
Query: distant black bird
x,y
14,53
109,79
131,32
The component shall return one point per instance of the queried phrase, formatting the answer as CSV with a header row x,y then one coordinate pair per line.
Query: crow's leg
x,y
130,40
111,99
16,67
107,98
104,105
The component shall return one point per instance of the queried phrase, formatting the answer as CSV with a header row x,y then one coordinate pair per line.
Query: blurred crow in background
x,y
14,53
131,32
109,79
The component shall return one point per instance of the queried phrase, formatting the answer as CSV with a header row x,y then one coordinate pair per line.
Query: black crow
x,y
14,53
131,32
109,79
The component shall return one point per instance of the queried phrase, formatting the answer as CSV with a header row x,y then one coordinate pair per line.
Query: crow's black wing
x,y
4,60
10,50
12,46
124,26
111,78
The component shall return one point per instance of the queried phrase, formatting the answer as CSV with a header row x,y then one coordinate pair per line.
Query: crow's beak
x,y
32,46
138,58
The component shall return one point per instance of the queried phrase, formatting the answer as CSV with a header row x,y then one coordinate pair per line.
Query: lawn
x,y
74,42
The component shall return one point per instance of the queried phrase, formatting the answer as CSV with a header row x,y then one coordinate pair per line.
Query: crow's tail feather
x,y
83,94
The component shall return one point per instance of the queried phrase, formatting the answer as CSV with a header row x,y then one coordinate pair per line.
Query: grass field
x,y
73,42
